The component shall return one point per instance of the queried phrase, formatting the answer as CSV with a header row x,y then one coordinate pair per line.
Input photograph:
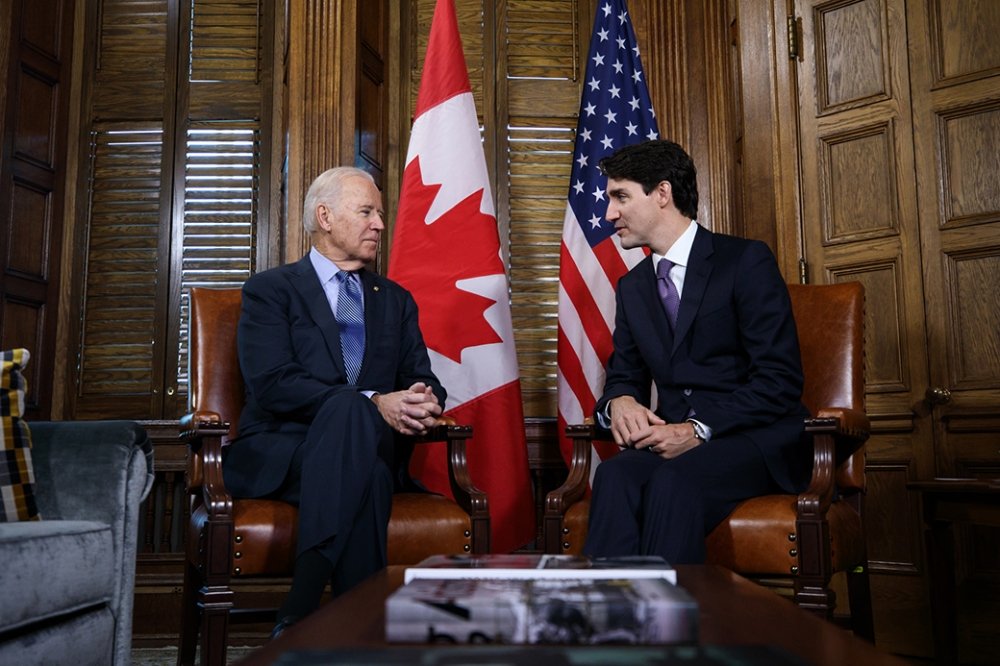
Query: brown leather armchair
x,y
804,538
232,539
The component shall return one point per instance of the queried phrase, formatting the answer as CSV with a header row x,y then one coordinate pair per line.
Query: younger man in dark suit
x,y
334,364
706,320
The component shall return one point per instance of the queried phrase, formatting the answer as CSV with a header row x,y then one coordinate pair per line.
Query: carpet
x,y
167,656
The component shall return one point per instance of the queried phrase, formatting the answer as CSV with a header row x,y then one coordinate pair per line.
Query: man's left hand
x,y
667,441
411,411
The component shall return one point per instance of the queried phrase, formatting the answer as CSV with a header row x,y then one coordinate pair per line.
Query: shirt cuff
x,y
701,430
604,416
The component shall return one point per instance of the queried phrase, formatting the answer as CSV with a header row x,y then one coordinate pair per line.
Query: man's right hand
x,y
411,411
630,421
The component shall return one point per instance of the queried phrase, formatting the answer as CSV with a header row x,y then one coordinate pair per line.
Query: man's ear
x,y
323,216
664,193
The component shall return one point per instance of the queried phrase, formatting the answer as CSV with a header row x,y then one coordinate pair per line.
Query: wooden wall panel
x,y
885,339
851,36
970,145
963,39
975,336
858,203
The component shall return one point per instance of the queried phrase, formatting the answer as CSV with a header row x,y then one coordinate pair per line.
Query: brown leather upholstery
x,y
242,538
806,537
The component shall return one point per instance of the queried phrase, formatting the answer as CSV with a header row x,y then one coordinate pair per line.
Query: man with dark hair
x,y
706,320
334,365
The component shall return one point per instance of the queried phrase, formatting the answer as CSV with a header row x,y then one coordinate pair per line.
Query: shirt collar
x,y
325,269
680,251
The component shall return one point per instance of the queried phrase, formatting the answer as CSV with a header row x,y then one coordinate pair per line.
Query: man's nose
x,y
612,213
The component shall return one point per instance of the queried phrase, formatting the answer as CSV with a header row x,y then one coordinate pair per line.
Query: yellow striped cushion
x,y
17,479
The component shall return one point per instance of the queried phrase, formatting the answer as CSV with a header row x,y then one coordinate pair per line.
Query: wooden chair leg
x,y
215,603
816,598
189,616
859,594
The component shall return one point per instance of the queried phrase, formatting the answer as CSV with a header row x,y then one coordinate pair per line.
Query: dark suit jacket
x,y
289,350
734,359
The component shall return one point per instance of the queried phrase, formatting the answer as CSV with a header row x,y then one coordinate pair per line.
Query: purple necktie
x,y
668,291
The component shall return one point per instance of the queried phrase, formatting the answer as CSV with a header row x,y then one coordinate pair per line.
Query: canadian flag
x,y
446,252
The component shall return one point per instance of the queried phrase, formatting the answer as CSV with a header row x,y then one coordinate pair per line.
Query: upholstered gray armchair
x,y
66,583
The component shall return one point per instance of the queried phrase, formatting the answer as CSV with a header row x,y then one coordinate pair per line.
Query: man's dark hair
x,y
650,163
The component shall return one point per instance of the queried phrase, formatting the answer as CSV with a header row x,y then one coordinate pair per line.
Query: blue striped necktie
x,y
351,318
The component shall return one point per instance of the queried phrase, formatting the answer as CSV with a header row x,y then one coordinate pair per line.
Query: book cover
x,y
536,566
454,610
640,611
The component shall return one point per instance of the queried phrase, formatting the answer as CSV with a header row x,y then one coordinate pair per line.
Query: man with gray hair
x,y
334,365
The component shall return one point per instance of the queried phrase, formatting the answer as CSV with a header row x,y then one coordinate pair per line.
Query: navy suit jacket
x,y
734,358
289,351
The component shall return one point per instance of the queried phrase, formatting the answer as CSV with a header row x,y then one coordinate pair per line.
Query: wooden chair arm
x,y
852,423
578,478
203,432
837,433
472,500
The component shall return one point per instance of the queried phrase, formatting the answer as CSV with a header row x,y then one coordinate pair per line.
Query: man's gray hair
x,y
326,189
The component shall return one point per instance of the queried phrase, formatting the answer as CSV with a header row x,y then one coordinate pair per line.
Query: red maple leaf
x,y
430,259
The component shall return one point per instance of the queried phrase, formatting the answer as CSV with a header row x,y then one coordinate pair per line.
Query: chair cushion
x,y
754,539
423,524
17,477
52,567
265,533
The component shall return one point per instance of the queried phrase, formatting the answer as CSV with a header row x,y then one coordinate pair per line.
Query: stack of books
x,y
541,599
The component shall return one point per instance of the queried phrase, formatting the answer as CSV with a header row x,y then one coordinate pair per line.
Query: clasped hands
x,y
635,426
410,411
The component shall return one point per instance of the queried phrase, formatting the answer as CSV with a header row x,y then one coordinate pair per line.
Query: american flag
x,y
615,110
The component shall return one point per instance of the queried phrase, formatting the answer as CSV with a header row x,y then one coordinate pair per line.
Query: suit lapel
x,y
699,269
306,282
374,314
649,294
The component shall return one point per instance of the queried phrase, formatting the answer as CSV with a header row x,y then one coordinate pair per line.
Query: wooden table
x,y
733,611
947,502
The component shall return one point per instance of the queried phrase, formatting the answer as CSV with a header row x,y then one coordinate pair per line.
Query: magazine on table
x,y
538,566
640,611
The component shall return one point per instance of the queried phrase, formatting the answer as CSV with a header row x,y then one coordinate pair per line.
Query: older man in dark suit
x,y
706,320
334,365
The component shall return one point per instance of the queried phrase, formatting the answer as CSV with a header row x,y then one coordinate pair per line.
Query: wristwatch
x,y
699,430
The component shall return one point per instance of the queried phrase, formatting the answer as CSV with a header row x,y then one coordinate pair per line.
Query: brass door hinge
x,y
793,38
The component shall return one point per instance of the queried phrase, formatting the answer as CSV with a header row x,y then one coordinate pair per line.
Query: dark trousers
x,y
643,504
340,479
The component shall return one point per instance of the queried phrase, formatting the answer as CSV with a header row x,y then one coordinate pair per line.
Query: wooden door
x,y
899,136
34,76
955,83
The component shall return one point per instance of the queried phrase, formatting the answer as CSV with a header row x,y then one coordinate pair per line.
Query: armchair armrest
x,y
467,495
558,501
98,471
87,470
837,433
578,478
203,431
